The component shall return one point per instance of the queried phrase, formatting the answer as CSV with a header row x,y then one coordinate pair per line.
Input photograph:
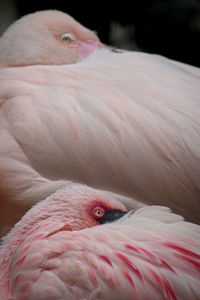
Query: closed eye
x,y
67,37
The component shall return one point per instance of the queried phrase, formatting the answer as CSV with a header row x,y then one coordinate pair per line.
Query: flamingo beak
x,y
89,46
111,216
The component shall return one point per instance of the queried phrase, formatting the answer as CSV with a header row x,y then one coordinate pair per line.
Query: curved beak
x,y
89,46
111,216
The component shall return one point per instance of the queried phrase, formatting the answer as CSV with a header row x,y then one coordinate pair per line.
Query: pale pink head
x,y
46,37
80,206
74,207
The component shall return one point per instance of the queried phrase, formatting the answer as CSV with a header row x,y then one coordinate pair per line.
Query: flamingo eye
x,y
98,212
68,37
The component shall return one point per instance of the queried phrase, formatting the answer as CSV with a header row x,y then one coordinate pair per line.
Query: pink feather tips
x,y
150,255
128,277
19,262
181,249
185,254
129,263
190,260
106,259
164,284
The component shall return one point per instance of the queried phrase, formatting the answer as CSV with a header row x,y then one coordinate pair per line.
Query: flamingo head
x,y
46,37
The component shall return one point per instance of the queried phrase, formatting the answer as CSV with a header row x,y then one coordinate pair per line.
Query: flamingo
x,y
59,250
120,121
47,38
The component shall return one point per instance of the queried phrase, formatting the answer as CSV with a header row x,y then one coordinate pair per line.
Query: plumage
x,y
124,122
70,208
46,37
148,254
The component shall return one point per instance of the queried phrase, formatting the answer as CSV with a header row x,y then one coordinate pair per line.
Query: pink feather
x,y
125,122
148,254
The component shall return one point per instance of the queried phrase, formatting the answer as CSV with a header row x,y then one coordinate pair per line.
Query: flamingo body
x,y
149,254
46,37
72,109
124,122
71,208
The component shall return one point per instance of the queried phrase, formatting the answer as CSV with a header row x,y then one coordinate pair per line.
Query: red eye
x,y
98,212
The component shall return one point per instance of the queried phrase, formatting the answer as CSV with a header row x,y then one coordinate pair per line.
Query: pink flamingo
x,y
72,208
148,254
125,122
46,38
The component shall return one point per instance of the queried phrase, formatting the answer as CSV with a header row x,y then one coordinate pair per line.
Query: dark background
x,y
167,27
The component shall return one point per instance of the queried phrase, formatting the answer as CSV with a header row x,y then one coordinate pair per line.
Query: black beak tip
x,y
111,216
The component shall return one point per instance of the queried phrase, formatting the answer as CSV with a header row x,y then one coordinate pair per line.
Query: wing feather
x,y
140,257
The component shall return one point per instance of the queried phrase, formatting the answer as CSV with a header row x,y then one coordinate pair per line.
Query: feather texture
x,y
143,141
124,122
138,257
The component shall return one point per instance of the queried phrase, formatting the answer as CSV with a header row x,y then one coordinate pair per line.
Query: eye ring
x,y
98,212
67,37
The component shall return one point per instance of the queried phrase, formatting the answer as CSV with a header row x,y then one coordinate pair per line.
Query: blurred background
x,y
167,27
